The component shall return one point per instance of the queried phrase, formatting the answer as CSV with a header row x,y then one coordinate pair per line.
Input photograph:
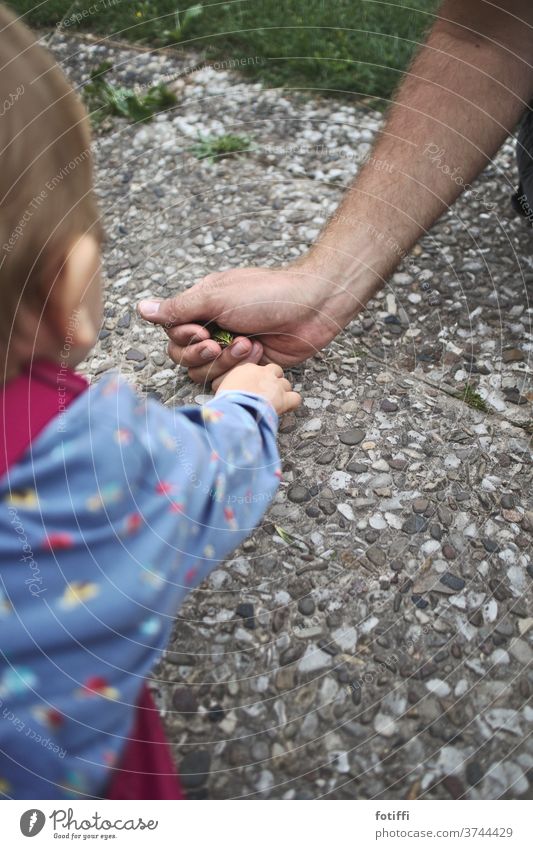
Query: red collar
x,y
31,400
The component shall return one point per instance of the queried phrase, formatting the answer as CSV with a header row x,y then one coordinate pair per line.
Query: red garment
x,y
29,402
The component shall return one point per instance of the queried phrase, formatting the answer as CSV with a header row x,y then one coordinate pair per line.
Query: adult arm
x,y
464,93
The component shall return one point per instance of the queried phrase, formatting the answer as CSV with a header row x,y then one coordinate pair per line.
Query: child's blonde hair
x,y
46,187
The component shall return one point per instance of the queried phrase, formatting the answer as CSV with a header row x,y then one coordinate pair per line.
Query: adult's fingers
x,y
215,371
184,308
195,355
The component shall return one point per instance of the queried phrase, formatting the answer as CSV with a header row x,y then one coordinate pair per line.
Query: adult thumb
x,y
179,309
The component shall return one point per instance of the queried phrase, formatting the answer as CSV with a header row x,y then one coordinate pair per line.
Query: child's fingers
x,y
275,369
291,401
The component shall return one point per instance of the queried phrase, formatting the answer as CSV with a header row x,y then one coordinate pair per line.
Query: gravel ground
x,y
382,648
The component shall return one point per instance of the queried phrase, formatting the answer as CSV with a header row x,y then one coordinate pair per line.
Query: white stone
x,y
313,403
312,425
439,687
346,638
346,511
384,725
340,480
314,660
377,522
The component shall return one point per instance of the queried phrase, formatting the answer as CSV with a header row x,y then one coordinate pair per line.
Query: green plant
x,y
212,147
182,23
104,99
223,337
472,398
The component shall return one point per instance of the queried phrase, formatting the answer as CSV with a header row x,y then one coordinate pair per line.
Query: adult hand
x,y
291,313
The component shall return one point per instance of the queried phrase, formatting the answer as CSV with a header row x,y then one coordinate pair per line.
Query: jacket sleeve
x,y
218,466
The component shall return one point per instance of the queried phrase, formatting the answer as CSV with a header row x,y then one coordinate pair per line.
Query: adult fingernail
x,y
239,349
149,309
207,354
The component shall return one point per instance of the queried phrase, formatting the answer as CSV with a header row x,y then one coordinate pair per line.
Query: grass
x,y
473,399
359,46
218,147
104,99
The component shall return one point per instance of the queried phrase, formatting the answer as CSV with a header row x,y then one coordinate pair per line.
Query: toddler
x,y
112,507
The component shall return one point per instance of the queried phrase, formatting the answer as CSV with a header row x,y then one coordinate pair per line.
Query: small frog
x,y
223,337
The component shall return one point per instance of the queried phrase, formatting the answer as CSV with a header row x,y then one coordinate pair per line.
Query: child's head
x,y
49,226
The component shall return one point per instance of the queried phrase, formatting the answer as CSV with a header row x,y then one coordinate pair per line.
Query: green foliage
x,y
213,147
223,337
182,24
104,99
473,399
335,46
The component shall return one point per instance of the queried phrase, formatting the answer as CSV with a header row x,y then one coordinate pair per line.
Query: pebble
x,y
352,437
384,725
325,458
246,611
340,480
306,606
194,768
346,511
184,701
376,555
388,406
420,505
414,524
453,582
512,355
135,355
298,494
314,660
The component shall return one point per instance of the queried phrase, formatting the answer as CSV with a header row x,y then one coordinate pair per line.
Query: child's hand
x,y
267,381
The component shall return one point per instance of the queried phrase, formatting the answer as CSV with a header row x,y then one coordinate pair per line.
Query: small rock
x,y
415,524
314,660
346,511
474,772
453,582
184,700
352,437
306,606
325,458
376,555
389,406
135,355
298,494
512,355
246,611
385,725
194,768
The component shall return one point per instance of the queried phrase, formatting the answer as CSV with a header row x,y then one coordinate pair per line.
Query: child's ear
x,y
70,311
